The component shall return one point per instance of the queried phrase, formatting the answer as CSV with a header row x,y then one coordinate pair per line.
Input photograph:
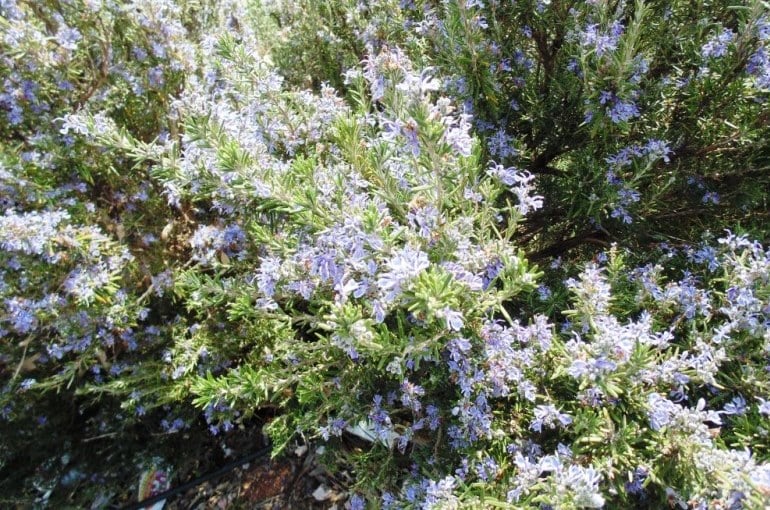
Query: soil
x,y
280,484
291,481
296,480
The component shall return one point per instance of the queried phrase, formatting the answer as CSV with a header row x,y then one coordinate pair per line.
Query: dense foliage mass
x,y
517,250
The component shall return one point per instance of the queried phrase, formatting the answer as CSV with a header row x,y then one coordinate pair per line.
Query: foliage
x,y
329,214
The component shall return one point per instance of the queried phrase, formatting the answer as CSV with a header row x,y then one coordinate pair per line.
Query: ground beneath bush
x,y
295,480
279,484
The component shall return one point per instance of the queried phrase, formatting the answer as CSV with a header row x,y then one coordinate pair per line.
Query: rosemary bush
x,y
473,250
